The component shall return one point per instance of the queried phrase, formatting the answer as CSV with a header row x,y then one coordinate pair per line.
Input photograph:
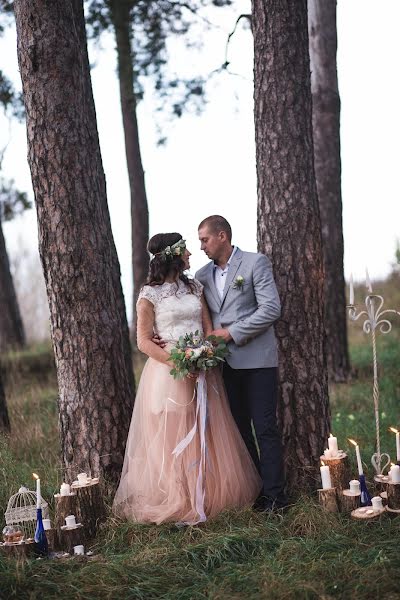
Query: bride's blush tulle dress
x,y
156,485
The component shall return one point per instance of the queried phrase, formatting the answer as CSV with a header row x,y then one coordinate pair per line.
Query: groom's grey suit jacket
x,y
248,312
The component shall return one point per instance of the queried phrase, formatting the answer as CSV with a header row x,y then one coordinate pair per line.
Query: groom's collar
x,y
235,249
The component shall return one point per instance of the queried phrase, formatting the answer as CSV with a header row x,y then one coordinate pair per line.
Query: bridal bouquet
x,y
193,353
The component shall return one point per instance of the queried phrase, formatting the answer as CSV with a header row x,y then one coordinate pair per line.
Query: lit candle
x,y
394,474
325,477
327,453
358,455
38,495
332,444
351,290
368,281
397,441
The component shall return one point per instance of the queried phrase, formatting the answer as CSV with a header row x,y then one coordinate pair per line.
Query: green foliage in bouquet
x,y
193,353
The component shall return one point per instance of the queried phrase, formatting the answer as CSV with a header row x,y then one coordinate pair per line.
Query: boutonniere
x,y
238,283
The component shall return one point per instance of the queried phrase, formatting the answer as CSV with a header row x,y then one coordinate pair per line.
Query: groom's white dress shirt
x,y
221,274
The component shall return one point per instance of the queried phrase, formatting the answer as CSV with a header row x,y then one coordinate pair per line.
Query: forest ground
x,y
304,554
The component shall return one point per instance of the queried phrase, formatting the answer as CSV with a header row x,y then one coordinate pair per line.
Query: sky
x,y
208,164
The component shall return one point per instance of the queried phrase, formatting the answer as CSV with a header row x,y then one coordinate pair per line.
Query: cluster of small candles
x,y
332,451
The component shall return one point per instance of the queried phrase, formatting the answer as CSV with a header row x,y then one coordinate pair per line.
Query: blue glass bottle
x,y
365,495
41,546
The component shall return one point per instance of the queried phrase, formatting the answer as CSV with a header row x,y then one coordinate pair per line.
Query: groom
x,y
244,304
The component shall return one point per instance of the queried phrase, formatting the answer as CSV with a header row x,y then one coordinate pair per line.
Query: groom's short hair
x,y
215,224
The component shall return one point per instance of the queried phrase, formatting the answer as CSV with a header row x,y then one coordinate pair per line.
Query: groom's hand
x,y
157,340
223,333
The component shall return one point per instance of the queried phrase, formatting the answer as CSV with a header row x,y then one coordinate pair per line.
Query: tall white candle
x,y
38,494
397,442
325,477
394,474
351,299
368,281
358,456
332,445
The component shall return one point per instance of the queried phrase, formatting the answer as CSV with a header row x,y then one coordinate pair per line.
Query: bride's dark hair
x,y
162,266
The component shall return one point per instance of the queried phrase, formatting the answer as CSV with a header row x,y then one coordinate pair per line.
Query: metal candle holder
x,y
373,321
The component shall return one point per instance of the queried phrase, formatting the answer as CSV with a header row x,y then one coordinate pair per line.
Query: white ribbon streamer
x,y
201,415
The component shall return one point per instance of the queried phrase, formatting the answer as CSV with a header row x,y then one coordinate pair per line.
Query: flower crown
x,y
176,249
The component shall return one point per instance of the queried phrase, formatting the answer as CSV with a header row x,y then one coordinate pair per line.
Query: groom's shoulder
x,y
255,257
203,271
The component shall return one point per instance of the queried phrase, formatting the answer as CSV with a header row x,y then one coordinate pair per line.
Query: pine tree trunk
x,y
12,333
120,13
4,420
88,321
289,227
326,132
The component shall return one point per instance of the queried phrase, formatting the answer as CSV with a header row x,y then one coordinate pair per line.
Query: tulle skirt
x,y
157,485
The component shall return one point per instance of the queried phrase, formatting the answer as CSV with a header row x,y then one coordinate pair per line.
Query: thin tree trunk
x,y
289,227
120,13
4,419
12,333
88,321
326,132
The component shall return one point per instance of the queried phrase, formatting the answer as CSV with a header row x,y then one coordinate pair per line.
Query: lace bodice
x,y
177,310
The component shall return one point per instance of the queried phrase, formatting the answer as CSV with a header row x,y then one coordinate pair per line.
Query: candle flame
x,y
352,442
392,465
330,435
322,463
35,476
393,429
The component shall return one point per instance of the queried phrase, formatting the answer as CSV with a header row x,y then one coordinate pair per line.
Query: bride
x,y
159,483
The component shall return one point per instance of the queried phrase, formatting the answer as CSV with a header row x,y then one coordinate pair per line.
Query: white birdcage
x,y
21,510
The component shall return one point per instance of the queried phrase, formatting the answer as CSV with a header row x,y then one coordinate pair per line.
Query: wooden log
x,y
349,501
20,551
328,500
64,506
51,538
366,513
72,536
392,512
393,496
90,509
339,468
383,495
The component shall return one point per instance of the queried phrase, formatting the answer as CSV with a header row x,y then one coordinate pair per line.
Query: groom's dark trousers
x,y
252,395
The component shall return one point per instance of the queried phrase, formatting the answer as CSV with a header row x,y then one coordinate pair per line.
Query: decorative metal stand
x,y
373,321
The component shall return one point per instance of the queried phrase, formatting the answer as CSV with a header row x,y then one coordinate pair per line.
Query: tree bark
x,y
4,419
120,14
12,333
87,312
326,132
289,228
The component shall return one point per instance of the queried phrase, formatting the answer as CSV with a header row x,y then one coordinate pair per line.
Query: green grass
x,y
306,554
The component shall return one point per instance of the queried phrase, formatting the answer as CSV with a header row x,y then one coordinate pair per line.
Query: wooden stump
x,y
64,506
51,538
383,495
328,500
339,468
90,509
72,536
21,551
367,514
349,501
393,496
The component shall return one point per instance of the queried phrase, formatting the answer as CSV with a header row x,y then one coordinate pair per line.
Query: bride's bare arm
x,y
145,332
206,319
